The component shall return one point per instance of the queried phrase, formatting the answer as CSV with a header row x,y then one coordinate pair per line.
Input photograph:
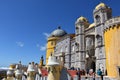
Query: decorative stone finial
x,y
29,62
36,63
59,27
32,63
42,57
19,62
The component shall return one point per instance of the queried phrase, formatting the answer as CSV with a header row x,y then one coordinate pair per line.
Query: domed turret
x,y
53,67
58,33
52,40
82,19
101,5
92,25
102,13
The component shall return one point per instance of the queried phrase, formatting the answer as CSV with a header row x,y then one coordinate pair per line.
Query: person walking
x,y
79,74
94,74
99,73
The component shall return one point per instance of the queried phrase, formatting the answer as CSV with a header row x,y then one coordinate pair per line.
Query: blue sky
x,y
25,24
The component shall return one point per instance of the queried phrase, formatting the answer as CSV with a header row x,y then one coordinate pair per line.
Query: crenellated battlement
x,y
112,23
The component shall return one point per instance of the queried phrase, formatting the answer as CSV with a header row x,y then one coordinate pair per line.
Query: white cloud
x,y
20,44
46,35
43,48
4,68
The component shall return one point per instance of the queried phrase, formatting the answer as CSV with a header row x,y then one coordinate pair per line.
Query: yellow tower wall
x,y
112,48
51,43
54,72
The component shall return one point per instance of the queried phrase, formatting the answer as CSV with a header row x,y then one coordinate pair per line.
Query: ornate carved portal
x,y
90,53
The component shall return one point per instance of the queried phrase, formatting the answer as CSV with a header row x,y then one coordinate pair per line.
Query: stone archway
x,y
90,53
90,64
93,65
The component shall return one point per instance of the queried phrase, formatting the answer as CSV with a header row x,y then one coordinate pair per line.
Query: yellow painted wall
x,y
112,48
51,43
54,72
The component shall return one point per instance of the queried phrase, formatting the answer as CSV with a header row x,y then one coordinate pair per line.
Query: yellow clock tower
x,y
51,42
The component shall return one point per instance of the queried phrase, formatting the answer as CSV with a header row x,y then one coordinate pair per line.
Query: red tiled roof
x,y
72,73
44,72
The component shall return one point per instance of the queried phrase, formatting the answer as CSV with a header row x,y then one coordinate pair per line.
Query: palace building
x,y
93,45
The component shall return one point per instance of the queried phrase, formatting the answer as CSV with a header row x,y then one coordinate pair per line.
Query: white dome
x,y
58,33
83,19
101,5
52,61
92,25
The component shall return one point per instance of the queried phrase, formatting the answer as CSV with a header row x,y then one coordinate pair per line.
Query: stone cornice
x,y
79,34
99,46
80,51
100,58
79,61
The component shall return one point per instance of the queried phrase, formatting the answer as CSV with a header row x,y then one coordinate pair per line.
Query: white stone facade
x,y
86,49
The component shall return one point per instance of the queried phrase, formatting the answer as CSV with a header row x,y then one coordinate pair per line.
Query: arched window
x,y
77,30
97,18
77,46
99,39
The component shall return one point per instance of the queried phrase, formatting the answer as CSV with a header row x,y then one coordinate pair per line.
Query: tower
x,y
53,68
101,13
18,74
31,72
18,71
112,47
51,42
41,62
10,75
81,24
